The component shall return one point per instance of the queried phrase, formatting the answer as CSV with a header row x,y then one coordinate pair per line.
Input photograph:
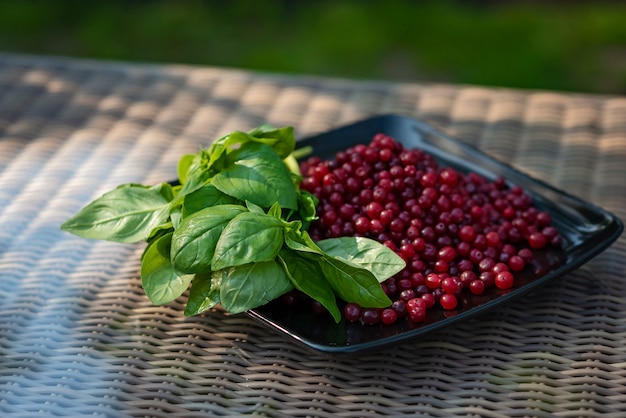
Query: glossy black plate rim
x,y
610,228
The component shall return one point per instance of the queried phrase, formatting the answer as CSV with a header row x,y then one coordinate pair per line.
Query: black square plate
x,y
587,230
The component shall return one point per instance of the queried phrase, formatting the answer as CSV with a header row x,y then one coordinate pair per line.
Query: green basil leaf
x,y
234,138
306,276
258,175
249,237
176,215
294,167
275,211
365,253
126,214
282,140
353,284
293,227
159,280
307,206
301,242
183,167
204,197
204,293
165,189
254,208
252,285
194,241
216,158
197,173
159,231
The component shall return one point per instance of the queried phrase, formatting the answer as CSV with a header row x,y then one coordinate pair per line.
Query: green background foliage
x,y
560,45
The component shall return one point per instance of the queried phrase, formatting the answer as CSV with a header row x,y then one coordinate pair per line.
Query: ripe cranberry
x,y
346,211
396,225
477,287
388,316
441,266
465,264
537,240
486,264
467,233
385,155
417,279
386,217
370,316
432,281
352,312
476,256
526,255
419,244
400,307
516,263
417,309
488,278
448,301
449,176
499,267
493,239
447,254
504,280
429,179
466,277
320,171
362,225
450,285
376,227
428,299
544,219
373,209
405,284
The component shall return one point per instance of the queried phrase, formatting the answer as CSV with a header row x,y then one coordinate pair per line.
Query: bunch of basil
x,y
234,227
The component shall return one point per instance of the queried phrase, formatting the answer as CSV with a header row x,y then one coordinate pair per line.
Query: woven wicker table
x,y
78,337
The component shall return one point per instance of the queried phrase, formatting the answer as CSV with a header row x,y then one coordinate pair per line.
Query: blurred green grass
x,y
558,45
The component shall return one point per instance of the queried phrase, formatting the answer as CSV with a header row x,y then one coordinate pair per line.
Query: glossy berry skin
x,y
370,316
504,280
448,301
459,233
388,316
477,287
352,312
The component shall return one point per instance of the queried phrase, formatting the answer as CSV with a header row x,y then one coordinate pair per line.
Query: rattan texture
x,y
78,337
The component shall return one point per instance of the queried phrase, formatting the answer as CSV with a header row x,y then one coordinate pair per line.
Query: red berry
x,y
516,263
428,299
432,281
370,316
448,301
449,176
352,312
467,233
388,316
537,240
450,285
477,287
504,280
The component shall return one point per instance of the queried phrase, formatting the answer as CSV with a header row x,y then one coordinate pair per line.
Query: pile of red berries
x,y
457,232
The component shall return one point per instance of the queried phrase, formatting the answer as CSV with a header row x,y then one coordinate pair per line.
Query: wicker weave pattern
x,y
79,338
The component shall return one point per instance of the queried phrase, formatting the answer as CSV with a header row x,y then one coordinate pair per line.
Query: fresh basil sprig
x,y
235,228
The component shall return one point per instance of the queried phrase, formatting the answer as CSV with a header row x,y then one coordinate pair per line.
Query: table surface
x,y
78,337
